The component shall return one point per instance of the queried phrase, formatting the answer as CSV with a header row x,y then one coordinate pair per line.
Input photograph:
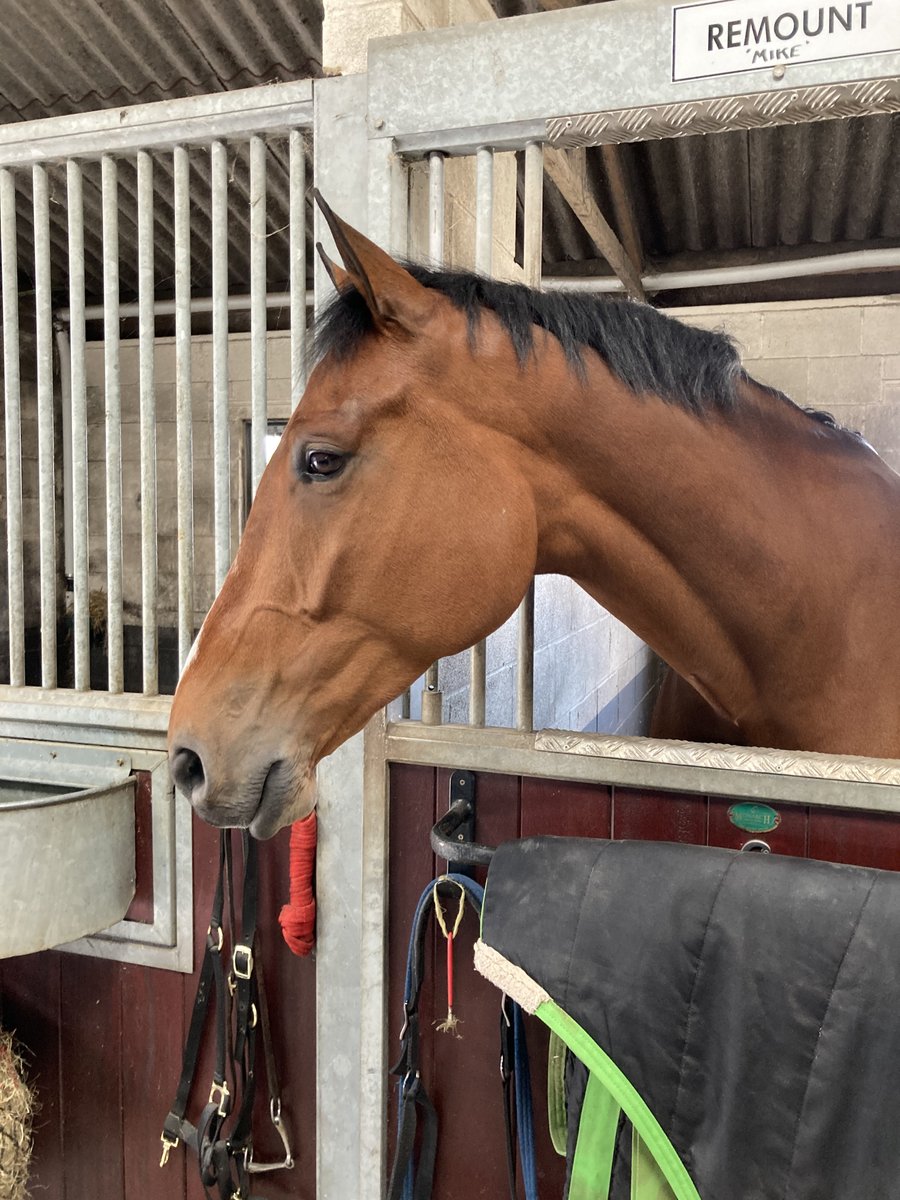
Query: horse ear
x,y
395,299
338,276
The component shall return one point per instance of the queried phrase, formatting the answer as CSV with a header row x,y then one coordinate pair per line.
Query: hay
x,y
16,1111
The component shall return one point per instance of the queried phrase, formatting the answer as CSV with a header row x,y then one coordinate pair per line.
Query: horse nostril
x,y
188,773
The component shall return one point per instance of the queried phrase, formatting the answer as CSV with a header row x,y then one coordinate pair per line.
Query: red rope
x,y
298,917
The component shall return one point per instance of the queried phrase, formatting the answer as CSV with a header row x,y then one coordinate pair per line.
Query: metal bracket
x,y
453,836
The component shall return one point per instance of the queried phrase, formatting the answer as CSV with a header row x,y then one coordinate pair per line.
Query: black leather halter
x,y
222,1136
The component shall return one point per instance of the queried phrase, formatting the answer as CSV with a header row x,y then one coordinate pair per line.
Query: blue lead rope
x,y
413,1103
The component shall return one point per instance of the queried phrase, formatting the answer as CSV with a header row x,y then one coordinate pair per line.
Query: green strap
x,y
596,1144
623,1092
556,1094
647,1179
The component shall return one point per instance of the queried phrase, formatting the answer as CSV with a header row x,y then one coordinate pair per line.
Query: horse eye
x,y
323,463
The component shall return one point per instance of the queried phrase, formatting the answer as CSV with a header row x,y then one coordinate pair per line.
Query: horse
x,y
459,435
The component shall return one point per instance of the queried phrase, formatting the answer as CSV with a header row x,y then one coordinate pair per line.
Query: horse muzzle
x,y
266,795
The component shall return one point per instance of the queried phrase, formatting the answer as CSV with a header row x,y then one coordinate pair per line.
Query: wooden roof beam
x,y
568,170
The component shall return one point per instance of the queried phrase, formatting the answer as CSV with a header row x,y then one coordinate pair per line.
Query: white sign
x,y
726,36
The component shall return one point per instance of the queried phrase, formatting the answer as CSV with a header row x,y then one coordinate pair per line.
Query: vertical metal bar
x,y
114,632
13,428
40,192
147,389
432,699
257,308
484,229
221,451
533,243
436,208
78,403
183,414
297,148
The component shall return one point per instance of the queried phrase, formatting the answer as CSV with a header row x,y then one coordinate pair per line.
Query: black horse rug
x,y
731,1020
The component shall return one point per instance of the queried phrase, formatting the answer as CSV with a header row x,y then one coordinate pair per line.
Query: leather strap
x,y
225,1159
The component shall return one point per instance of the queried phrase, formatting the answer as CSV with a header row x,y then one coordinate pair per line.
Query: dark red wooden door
x,y
461,1073
103,1044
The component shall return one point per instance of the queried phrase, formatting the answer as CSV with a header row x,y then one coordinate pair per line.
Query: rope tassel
x,y
298,917
451,1021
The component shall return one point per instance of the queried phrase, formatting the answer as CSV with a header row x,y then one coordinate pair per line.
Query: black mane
x,y
651,353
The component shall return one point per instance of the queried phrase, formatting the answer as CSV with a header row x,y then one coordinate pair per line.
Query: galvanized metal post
x,y
78,409
258,382
484,261
183,404
297,170
147,390
221,439
533,243
46,444
114,630
15,570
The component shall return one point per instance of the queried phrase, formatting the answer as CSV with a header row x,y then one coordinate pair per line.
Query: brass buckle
x,y
169,1145
220,1095
245,971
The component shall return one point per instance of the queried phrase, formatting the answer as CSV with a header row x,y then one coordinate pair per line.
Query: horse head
x,y
393,525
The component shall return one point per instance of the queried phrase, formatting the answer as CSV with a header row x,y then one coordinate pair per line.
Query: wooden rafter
x,y
568,171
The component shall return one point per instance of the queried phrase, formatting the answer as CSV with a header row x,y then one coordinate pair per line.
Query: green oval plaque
x,y
754,818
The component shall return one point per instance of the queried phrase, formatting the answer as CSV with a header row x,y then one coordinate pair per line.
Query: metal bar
x,y
46,448
531,261
436,216
146,334
795,778
183,414
78,404
798,268
196,119
297,168
258,395
432,699
13,428
484,231
199,304
114,631
221,451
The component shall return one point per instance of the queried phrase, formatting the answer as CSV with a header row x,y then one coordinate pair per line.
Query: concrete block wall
x,y
279,406
839,355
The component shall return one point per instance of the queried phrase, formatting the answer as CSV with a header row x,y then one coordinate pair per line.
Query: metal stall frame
x,y
134,724
560,79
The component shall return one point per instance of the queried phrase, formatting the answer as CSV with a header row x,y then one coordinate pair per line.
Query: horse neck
x,y
703,534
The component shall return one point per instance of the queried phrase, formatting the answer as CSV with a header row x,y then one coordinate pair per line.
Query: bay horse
x,y
459,435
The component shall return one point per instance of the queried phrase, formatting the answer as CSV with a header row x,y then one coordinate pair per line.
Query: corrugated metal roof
x,y
67,56
822,184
